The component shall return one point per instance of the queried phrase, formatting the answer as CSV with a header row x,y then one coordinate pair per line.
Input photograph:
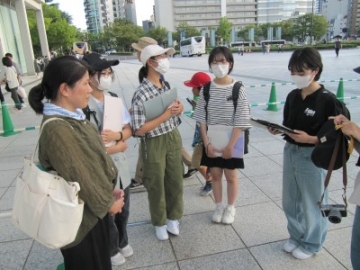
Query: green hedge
x,y
122,53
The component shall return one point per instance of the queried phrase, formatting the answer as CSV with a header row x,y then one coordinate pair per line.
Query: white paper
x,y
219,136
113,118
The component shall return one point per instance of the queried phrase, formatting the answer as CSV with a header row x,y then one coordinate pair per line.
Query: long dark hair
x,y
143,72
65,69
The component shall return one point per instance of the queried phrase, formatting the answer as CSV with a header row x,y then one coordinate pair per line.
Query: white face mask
x,y
163,66
105,83
301,81
220,71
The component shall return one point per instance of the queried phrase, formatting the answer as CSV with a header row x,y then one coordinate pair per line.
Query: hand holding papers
x,y
113,118
265,124
156,106
219,136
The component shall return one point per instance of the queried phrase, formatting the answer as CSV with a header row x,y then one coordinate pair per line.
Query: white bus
x,y
192,46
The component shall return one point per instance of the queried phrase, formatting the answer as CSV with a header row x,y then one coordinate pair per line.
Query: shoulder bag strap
x,y
41,129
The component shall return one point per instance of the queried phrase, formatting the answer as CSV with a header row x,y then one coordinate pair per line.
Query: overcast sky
x,y
75,8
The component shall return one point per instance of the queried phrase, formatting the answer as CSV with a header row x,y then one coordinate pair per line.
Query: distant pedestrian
x,y
338,46
37,67
267,46
263,46
280,48
46,61
12,81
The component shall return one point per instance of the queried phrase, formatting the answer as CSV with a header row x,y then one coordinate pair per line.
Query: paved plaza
x,y
255,239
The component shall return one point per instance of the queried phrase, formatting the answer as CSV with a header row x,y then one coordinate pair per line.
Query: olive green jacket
x,y
74,149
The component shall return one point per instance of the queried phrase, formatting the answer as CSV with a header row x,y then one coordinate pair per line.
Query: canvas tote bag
x,y
46,206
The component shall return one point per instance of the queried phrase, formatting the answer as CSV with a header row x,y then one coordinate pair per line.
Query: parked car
x,y
110,51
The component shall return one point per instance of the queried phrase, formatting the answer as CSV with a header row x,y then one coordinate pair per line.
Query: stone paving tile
x,y
337,244
41,257
7,200
7,177
148,251
8,260
240,259
9,232
260,224
199,237
270,185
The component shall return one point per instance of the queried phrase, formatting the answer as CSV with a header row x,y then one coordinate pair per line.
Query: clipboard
x,y
263,123
219,136
113,118
154,107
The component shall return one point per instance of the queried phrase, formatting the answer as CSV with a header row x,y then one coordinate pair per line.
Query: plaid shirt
x,y
146,91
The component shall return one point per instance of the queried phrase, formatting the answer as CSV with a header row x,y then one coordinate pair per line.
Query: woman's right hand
x,y
117,205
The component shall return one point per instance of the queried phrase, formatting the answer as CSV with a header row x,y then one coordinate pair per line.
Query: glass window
x,y
10,36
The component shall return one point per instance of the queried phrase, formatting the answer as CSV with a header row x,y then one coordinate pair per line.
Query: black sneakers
x,y
190,173
135,186
207,189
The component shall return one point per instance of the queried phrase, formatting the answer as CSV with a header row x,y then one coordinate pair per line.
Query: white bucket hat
x,y
154,50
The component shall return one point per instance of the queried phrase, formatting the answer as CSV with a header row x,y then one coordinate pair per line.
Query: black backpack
x,y
89,112
327,136
234,97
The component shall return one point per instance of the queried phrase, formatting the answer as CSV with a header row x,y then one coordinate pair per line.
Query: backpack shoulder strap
x,y
235,94
206,93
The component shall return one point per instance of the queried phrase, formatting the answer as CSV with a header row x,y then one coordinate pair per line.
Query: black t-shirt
x,y
309,114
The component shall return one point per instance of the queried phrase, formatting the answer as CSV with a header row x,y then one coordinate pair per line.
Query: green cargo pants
x,y
163,176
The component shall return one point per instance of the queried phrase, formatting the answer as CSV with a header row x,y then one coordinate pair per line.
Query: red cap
x,y
199,79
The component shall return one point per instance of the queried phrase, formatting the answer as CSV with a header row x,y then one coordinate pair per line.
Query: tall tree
x,y
125,33
244,33
310,25
224,28
190,31
159,34
59,32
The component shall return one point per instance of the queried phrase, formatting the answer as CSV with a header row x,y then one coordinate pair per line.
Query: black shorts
x,y
219,162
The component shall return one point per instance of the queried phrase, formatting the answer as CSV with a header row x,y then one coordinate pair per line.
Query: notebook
x,y
113,118
156,106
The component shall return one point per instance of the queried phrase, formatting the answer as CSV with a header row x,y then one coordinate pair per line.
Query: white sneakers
x,y
218,214
229,215
172,226
225,216
127,251
301,254
296,250
161,233
119,258
290,245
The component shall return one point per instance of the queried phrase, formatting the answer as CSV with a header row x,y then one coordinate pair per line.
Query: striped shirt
x,y
221,108
147,90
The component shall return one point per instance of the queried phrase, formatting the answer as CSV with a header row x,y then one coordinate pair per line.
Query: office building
x,y
100,13
147,25
204,14
15,34
353,21
335,11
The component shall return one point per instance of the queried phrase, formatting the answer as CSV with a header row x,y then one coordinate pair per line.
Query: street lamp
x,y
312,20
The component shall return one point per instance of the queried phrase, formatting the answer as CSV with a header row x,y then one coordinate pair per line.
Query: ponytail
x,y
143,72
36,95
